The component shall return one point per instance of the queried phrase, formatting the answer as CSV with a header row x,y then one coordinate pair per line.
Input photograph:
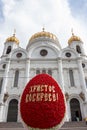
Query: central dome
x,y
43,34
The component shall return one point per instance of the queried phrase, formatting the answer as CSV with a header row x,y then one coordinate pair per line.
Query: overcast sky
x,y
29,16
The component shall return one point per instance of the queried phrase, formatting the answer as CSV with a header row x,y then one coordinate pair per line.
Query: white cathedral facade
x,y
43,54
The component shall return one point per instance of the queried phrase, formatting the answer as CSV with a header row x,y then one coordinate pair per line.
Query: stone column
x,y
82,78
3,92
68,111
5,80
61,80
27,71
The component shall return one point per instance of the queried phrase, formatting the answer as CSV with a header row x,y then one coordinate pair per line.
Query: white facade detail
x,y
44,54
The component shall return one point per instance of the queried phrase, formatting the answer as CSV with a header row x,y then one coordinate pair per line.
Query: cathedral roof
x,y
43,34
12,39
74,38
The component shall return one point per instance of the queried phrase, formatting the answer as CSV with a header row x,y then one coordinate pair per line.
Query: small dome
x,y
43,34
74,38
12,39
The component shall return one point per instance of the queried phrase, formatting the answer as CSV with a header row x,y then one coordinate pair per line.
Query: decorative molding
x,y
6,95
1,104
82,96
66,96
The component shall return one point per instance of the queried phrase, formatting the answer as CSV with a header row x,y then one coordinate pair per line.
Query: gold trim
x,y
73,38
43,33
12,38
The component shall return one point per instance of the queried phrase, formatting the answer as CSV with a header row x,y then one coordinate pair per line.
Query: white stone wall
x,y
55,60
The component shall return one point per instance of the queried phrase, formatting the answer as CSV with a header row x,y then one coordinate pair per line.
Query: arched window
x,y
16,78
8,50
44,71
71,77
75,110
38,71
12,111
1,81
78,49
50,72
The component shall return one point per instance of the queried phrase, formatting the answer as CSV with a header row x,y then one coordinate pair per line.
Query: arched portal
x,y
12,111
75,110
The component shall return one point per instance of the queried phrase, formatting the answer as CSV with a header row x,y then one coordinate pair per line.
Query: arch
x,y
38,71
78,49
16,78
44,71
12,111
44,42
50,72
69,50
34,51
19,50
75,110
8,50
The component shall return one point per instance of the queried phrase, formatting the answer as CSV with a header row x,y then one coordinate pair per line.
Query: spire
x,y
43,29
72,32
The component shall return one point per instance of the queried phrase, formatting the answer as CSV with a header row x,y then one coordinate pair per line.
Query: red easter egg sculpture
x,y
42,103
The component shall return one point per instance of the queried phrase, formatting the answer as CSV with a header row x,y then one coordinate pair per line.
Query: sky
x,y
30,16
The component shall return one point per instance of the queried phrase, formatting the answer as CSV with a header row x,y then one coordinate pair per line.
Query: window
x,y
68,54
43,52
8,50
4,66
83,65
78,49
37,71
16,78
44,71
12,111
75,110
71,77
19,55
50,72
1,81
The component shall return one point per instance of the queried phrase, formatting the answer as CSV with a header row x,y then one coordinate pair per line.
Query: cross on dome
x,y
72,32
43,29
14,32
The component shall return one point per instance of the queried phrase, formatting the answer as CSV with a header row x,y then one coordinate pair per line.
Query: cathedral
x,y
43,54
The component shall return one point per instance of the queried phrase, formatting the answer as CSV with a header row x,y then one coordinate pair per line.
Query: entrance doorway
x,y
75,110
12,111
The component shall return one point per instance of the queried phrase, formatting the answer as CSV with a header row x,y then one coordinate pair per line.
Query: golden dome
x,y
43,34
12,39
74,38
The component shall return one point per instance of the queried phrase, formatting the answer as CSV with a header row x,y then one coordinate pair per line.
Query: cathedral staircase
x,y
81,125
